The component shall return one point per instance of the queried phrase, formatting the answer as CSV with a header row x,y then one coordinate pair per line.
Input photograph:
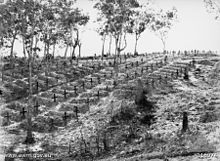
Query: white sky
x,y
196,29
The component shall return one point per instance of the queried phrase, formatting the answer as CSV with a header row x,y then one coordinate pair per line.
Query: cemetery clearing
x,y
94,114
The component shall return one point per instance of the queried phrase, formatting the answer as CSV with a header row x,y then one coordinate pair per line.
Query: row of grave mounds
x,y
50,101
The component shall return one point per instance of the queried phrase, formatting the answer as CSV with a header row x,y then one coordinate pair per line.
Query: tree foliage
x,y
116,14
162,23
213,6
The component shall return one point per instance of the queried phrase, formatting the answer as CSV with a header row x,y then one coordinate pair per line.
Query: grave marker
x,y
64,94
91,81
98,94
54,97
47,82
7,116
65,117
142,70
177,74
99,82
36,108
152,67
76,110
83,85
185,122
23,113
75,90
51,124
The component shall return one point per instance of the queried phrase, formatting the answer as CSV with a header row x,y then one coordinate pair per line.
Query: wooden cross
x,y
126,66
7,116
36,107
75,90
76,110
185,122
91,81
152,67
83,85
98,94
87,101
114,83
152,82
135,74
51,124
65,117
177,73
47,82
98,80
64,94
54,97
23,113
127,76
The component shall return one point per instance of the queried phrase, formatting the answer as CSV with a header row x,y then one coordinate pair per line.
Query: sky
x,y
195,29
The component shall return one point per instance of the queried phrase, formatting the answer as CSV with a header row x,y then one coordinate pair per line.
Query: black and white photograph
x,y
109,80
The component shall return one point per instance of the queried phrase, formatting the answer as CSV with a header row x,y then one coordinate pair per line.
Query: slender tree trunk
x,y
54,48
80,50
65,54
136,41
35,46
12,47
103,45
24,50
29,137
164,45
73,52
116,46
110,45
45,48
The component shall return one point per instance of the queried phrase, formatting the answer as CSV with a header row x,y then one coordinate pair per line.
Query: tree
x,y
71,19
162,23
31,17
103,32
117,14
213,6
138,23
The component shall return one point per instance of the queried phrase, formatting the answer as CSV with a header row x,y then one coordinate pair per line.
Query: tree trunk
x,y
54,48
110,45
164,45
12,47
80,50
11,53
29,137
73,52
65,54
24,51
45,48
136,41
103,45
116,46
